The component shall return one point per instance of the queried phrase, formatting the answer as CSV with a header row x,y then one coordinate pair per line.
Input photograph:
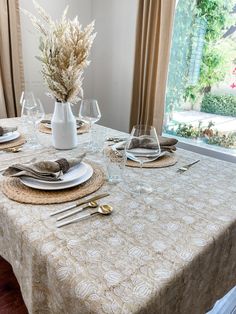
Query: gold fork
x,y
186,167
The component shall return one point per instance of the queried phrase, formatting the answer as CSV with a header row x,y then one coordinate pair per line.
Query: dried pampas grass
x,y
64,49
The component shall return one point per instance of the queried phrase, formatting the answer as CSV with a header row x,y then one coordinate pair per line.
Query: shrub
x,y
225,140
223,105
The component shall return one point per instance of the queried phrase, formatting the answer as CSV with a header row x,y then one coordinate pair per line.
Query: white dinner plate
x,y
142,152
137,151
47,125
9,136
116,146
152,157
74,173
35,184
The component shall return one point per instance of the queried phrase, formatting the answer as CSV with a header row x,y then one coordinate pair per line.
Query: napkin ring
x,y
63,164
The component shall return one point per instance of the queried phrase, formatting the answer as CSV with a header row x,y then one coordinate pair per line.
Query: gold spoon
x,y
103,210
90,205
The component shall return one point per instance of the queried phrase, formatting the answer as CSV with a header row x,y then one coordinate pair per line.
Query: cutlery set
x,y
116,139
103,210
92,199
90,203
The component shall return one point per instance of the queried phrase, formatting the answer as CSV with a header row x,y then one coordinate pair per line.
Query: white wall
x,y
33,77
113,58
110,74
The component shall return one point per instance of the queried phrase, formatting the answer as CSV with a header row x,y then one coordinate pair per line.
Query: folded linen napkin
x,y
43,170
4,130
48,121
166,143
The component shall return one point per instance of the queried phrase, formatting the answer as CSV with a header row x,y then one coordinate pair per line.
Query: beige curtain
x,y
11,68
153,41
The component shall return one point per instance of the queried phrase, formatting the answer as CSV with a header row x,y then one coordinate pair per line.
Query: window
x,y
201,88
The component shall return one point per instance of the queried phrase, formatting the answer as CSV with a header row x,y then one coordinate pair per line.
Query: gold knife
x,y
95,198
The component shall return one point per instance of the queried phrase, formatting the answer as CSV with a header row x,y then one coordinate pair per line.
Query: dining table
x,y
170,251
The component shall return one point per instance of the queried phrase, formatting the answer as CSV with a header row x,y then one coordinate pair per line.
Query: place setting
x,y
11,140
52,181
45,126
143,148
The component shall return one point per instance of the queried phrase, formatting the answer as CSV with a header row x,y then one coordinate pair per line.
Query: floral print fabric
x,y
173,251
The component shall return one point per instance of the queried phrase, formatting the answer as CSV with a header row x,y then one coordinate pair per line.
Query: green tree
x,y
216,13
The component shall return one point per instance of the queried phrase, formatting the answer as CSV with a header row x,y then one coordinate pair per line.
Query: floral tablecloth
x,y
173,251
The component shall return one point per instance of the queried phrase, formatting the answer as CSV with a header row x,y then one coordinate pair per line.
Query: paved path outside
x,y
222,123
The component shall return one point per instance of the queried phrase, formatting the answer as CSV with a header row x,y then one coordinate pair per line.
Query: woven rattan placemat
x,y
83,129
165,161
17,191
17,142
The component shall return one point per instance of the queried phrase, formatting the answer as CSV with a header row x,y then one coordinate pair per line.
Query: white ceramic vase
x,y
64,131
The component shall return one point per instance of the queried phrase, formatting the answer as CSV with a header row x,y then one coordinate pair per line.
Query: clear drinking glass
x,y
90,113
98,138
115,164
142,146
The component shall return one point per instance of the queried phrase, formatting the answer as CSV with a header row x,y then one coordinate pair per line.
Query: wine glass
x,y
142,146
90,113
32,113
37,112
27,101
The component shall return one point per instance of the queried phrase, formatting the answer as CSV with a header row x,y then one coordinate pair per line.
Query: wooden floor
x,y
11,301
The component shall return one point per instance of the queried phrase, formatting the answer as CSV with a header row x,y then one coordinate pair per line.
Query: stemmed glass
x,y
90,113
27,102
142,146
32,113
